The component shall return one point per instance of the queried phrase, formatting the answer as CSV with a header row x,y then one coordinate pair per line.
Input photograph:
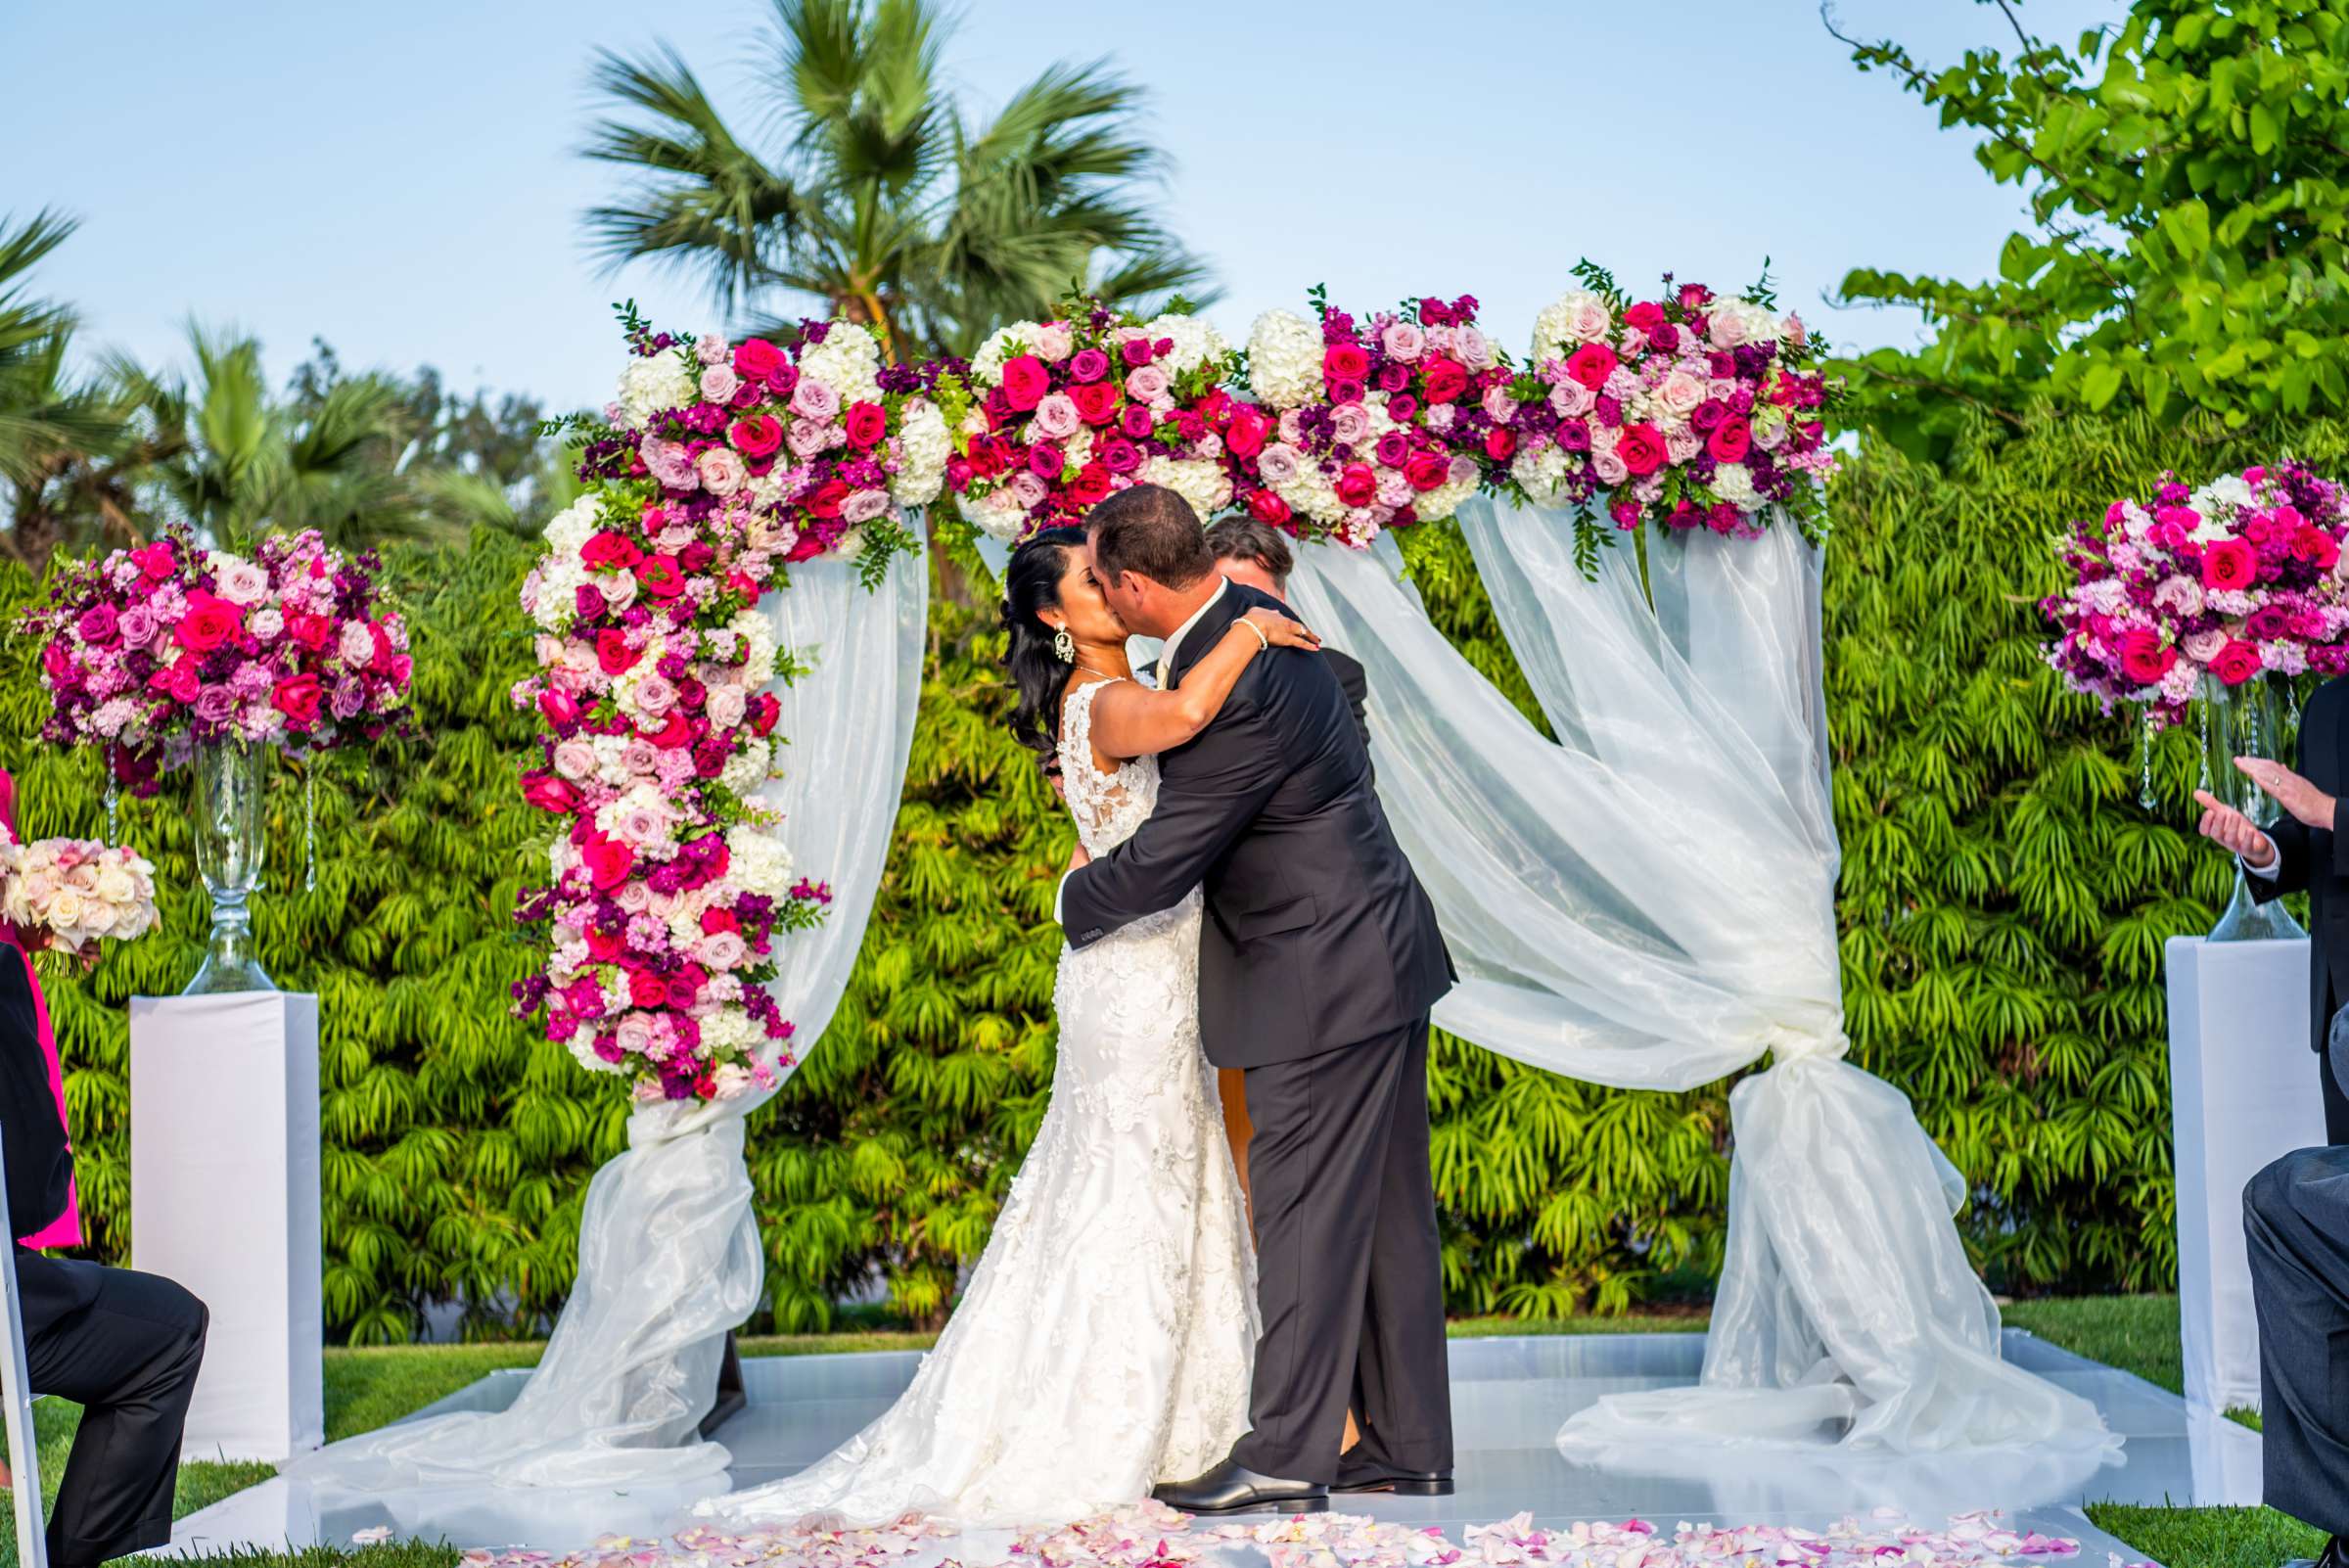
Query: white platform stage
x,y
1509,1397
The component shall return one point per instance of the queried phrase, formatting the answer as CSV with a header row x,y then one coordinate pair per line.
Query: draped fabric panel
x,y
1648,901
670,1258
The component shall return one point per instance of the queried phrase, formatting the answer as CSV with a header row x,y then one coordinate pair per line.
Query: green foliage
x,y
2191,226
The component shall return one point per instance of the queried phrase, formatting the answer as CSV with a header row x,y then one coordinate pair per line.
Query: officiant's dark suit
x,y
1319,960
2317,860
126,1346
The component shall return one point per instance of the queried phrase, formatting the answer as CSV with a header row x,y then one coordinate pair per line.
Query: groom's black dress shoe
x,y
1356,1476
1233,1488
2335,1553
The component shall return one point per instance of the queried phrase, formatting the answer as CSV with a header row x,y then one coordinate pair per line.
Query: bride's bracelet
x,y
1264,642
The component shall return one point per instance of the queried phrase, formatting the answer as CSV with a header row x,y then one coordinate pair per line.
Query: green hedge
x,y
2004,900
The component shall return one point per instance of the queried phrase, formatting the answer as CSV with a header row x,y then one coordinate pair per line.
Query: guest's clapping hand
x,y
2293,792
2233,832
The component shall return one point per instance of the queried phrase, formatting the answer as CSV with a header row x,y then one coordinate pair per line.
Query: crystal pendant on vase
x,y
2246,720
230,818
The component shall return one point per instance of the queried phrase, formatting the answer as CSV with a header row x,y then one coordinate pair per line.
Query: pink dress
x,y
65,1229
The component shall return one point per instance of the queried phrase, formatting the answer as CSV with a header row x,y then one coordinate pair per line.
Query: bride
x,y
1104,1341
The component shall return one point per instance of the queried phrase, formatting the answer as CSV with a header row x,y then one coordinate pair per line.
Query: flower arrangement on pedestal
x,y
1692,410
1062,413
2212,599
169,655
717,467
1376,423
159,651
2241,577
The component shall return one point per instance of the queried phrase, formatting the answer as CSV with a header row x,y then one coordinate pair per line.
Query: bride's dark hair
x,y
1031,585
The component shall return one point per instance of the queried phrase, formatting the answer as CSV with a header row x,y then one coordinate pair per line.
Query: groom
x,y
1319,962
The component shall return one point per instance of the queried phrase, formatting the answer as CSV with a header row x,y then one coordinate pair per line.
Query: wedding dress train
x,y
1104,1342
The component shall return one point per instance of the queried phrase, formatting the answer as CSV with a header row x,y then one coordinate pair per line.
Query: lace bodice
x,y
1107,807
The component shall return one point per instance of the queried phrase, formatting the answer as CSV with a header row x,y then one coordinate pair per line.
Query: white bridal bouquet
x,y
76,891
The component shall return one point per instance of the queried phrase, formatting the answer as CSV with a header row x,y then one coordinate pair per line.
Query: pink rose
x,y
1146,384
1056,416
812,399
719,383
725,706
575,758
1403,340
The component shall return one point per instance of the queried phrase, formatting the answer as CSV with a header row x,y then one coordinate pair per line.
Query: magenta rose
x,y
2143,659
1025,382
1729,442
1591,364
1090,365
866,424
2236,663
1358,485
2230,564
97,624
1641,449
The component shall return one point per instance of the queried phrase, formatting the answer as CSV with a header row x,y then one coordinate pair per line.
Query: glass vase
x,y
2246,720
230,819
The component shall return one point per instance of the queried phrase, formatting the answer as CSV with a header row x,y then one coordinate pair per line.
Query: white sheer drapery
x,y
670,1258
1648,903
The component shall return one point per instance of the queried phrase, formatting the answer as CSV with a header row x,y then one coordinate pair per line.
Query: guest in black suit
x,y
1319,964
1257,556
124,1346
2301,852
2297,1235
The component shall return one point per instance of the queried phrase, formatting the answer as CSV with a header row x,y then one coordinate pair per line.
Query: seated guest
x,y
122,1345
2301,852
2296,1231
1256,556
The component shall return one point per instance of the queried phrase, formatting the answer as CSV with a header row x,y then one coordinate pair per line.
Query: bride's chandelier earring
x,y
1064,646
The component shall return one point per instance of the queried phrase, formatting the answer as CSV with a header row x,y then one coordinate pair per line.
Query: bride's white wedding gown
x,y
1104,1343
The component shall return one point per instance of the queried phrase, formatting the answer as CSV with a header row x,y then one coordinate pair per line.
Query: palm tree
x,y
68,443
879,195
238,462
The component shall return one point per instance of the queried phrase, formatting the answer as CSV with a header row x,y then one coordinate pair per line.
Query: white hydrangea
x,y
1004,342
923,448
654,385
1541,470
570,530
2220,498
758,647
1734,482
1205,486
756,861
1196,343
998,514
746,769
1576,317
848,360
1284,360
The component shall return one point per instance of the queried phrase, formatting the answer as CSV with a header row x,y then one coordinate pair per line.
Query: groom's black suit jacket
x,y
1318,934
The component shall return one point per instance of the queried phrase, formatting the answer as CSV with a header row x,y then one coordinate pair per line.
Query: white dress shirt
x,y
1166,665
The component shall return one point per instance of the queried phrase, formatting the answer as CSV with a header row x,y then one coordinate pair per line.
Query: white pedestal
x,y
224,1199
2243,1089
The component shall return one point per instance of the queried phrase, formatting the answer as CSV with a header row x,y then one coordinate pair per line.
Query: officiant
x,y
2301,852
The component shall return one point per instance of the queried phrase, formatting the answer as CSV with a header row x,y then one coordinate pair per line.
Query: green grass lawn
x,y
370,1387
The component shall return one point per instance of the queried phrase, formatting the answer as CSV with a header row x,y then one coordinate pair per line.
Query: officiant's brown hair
x,y
1151,530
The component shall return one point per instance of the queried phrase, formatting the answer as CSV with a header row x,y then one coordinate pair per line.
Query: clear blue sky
x,y
404,181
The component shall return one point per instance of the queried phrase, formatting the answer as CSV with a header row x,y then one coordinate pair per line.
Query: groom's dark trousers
x,y
1319,962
